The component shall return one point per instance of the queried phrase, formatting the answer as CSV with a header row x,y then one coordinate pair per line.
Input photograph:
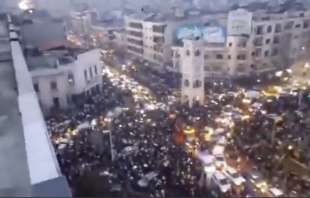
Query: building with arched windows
x,y
192,71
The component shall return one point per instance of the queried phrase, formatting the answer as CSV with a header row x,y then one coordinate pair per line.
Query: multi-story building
x,y
255,42
150,36
59,73
192,71
60,79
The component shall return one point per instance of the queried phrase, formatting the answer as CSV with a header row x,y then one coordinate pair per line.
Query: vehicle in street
x,y
221,184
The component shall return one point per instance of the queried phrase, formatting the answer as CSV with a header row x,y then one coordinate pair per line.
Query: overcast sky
x,y
106,5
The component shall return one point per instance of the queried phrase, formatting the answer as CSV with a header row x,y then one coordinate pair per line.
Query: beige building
x,y
256,42
192,87
150,36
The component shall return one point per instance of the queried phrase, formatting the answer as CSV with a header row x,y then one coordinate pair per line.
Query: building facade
x,y
256,43
150,36
59,86
192,72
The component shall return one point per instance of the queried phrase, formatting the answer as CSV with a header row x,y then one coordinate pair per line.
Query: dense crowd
x,y
140,150
276,139
147,159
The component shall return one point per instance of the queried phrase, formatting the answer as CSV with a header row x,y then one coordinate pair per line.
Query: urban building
x,y
256,42
150,36
59,79
59,72
81,21
192,71
28,164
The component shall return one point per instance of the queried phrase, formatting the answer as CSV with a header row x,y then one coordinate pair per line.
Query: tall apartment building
x,y
256,42
150,36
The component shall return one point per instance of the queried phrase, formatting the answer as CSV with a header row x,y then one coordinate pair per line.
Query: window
x,y
267,41
186,83
53,85
206,68
258,52
306,24
90,72
71,78
275,52
197,52
230,44
253,53
219,56
159,28
36,87
85,75
158,39
96,71
276,39
260,30
269,29
278,28
289,25
188,53
197,84
229,57
258,41
297,26
266,53
206,56
241,57
56,102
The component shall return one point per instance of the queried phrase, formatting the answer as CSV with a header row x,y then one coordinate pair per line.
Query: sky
x,y
106,5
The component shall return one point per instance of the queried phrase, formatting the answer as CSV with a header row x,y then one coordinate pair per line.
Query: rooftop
x,y
171,16
28,165
14,173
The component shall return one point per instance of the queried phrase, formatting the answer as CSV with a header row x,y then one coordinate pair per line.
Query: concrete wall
x,y
42,162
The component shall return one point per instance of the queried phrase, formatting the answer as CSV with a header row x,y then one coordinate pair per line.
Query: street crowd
x,y
147,160
276,139
142,152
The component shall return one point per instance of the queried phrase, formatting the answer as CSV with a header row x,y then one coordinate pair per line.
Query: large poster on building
x,y
210,34
239,22
214,34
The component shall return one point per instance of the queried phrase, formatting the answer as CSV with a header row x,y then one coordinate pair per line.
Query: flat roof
x,y
14,172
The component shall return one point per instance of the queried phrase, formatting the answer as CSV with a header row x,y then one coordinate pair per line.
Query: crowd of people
x,y
141,151
277,141
147,160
